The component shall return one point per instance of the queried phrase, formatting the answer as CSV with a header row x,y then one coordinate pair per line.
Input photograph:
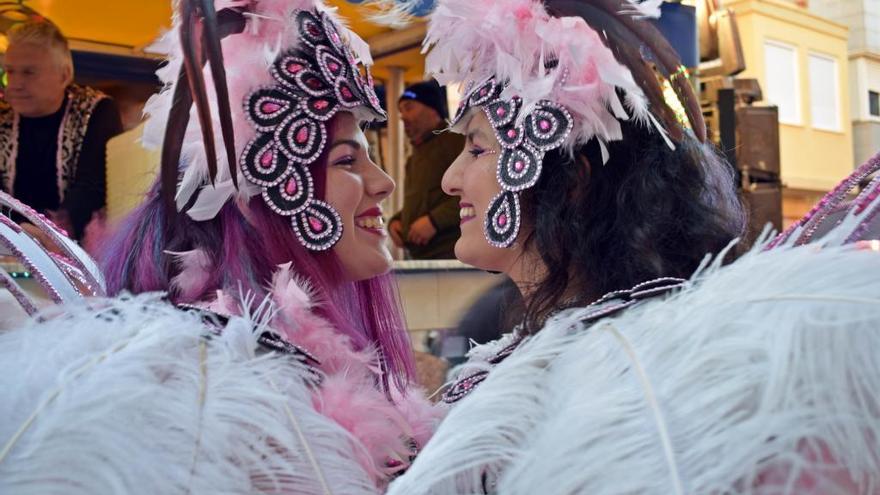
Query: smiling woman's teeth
x,y
370,222
466,212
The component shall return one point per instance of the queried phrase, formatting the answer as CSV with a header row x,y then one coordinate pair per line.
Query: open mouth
x,y
466,212
371,221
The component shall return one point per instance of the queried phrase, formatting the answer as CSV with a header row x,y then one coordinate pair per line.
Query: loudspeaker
x,y
757,142
764,204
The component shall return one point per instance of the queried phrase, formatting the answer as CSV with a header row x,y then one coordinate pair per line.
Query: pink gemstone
x,y
321,104
291,187
334,67
270,107
483,92
500,112
302,135
511,133
314,83
316,224
335,38
545,125
266,159
519,165
502,220
294,67
346,93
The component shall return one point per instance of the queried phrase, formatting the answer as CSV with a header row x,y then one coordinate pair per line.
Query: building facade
x,y
801,62
863,19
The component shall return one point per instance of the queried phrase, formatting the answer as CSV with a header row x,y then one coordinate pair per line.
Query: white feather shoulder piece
x,y
132,396
760,377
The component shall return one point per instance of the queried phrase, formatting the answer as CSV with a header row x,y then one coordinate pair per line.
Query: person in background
x,y
53,133
427,225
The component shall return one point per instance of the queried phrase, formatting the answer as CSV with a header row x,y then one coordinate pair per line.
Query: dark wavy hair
x,y
649,212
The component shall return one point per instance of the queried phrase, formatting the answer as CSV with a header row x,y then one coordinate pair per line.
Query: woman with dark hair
x,y
649,211
274,358
641,364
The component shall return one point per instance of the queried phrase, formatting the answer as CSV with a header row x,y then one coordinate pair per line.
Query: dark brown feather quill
x,y
191,30
215,57
196,53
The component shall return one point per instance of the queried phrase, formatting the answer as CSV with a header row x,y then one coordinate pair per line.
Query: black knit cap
x,y
428,93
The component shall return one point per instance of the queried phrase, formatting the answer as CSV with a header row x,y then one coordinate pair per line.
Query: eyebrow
x,y
346,142
476,132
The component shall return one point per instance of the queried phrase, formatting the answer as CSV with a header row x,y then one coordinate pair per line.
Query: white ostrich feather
x,y
131,397
747,371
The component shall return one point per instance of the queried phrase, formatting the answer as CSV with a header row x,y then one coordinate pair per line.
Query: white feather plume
x,y
130,397
763,374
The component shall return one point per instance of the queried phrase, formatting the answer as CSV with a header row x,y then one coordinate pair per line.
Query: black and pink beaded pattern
x,y
54,293
608,305
78,262
833,200
524,142
313,83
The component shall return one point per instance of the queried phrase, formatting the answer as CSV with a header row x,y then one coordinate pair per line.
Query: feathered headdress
x,y
554,81
283,69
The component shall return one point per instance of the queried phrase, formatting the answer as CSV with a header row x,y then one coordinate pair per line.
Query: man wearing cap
x,y
428,224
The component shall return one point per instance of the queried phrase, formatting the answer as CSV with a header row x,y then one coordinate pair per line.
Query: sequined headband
x,y
524,142
313,82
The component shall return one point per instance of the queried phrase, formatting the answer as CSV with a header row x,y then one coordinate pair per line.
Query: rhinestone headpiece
x,y
524,142
313,82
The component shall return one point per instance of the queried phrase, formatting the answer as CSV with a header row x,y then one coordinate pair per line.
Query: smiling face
x,y
355,188
472,178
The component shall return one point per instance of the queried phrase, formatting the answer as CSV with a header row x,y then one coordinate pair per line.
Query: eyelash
x,y
345,161
476,152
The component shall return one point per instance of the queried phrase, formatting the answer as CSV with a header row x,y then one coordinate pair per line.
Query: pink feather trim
x,y
349,393
383,430
195,271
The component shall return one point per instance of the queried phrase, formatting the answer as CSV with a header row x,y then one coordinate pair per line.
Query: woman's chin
x,y
375,263
473,252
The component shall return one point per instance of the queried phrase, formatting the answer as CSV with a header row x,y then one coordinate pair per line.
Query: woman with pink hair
x,y
255,343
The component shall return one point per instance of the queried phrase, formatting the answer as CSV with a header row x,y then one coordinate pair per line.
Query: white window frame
x,y
837,126
796,70
868,110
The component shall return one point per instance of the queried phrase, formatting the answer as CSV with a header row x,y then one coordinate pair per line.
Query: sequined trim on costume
x,y
268,340
609,304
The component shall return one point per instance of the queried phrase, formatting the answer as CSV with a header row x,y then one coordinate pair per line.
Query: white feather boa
x,y
127,396
761,377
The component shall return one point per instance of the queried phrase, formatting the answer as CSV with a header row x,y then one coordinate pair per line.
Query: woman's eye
x,y
345,161
476,152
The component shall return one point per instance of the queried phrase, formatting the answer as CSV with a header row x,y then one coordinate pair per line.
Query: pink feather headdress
x,y
547,82
514,41
259,40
